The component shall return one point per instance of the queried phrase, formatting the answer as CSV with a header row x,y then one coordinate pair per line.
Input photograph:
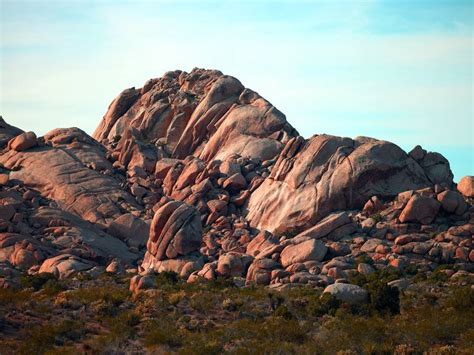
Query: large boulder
x,y
422,209
347,293
260,271
309,250
326,226
262,242
452,202
315,177
82,237
466,186
183,266
22,251
65,265
133,230
175,231
231,264
24,141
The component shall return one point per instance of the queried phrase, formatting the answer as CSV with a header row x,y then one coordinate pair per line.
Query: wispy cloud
x,y
340,68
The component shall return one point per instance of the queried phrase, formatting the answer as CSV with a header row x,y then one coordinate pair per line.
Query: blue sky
x,y
395,70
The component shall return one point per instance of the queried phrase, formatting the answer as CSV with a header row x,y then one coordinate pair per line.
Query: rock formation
x,y
196,174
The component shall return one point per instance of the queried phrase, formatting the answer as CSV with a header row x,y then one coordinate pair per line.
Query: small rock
x,y
115,267
235,182
401,284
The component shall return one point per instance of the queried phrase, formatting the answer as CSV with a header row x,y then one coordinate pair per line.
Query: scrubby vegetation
x,y
96,316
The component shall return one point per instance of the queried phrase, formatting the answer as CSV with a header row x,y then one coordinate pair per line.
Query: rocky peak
x,y
202,113
196,174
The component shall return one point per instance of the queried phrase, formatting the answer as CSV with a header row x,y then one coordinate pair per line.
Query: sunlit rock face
x,y
194,173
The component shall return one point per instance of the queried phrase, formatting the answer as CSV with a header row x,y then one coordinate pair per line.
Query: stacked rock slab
x,y
315,177
202,113
71,168
175,232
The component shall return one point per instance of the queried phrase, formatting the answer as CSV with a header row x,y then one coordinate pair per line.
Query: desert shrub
x,y
326,304
283,311
219,283
466,342
162,333
44,337
123,325
419,277
231,305
364,259
284,330
438,275
109,294
11,296
36,281
176,297
104,309
53,287
384,298
275,300
460,299
167,278
411,270
273,329
348,332
204,301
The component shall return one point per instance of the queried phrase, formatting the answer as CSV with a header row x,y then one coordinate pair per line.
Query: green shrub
x,y
123,325
384,298
231,305
11,296
460,299
438,275
44,337
162,333
326,304
36,281
283,311
167,278
53,287
364,259
110,294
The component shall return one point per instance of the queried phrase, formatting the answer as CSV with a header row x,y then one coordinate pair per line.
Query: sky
x,y
396,70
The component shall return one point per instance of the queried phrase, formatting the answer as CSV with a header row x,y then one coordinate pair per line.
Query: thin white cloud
x,y
401,87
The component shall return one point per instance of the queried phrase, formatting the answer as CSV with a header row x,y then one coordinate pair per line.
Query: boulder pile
x,y
196,174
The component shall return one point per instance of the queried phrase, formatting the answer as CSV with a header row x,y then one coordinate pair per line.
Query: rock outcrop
x,y
203,113
70,168
315,177
193,173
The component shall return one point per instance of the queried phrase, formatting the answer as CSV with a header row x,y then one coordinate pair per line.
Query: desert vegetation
x,y
102,315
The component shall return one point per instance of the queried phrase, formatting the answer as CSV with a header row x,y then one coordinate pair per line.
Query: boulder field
x,y
196,174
